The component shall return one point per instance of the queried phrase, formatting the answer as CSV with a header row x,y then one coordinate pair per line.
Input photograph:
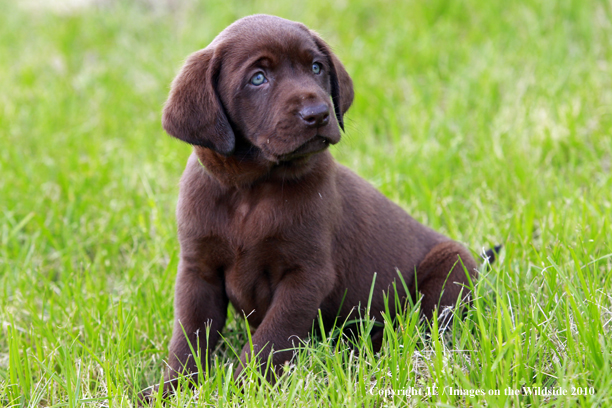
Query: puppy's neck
x,y
243,172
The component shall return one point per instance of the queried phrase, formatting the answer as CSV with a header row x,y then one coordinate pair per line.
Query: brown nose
x,y
315,115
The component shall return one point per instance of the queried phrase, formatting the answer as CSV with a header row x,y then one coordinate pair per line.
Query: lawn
x,y
490,121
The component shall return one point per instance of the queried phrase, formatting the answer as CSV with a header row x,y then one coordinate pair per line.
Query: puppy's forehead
x,y
261,33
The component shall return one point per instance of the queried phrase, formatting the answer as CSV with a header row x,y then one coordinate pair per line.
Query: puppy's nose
x,y
315,115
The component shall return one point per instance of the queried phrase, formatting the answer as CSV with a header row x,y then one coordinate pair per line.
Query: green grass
x,y
488,121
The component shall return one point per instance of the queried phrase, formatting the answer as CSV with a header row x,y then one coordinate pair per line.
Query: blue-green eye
x,y
258,79
316,68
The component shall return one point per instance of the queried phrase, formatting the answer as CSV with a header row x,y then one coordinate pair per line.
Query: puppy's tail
x,y
491,254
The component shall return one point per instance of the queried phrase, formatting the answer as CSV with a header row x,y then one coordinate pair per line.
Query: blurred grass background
x,y
488,121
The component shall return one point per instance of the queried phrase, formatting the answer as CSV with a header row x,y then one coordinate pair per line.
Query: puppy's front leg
x,y
288,319
200,303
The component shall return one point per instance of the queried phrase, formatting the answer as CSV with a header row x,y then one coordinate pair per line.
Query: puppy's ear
x,y
341,83
193,112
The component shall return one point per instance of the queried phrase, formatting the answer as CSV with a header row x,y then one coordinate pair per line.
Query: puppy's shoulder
x,y
198,193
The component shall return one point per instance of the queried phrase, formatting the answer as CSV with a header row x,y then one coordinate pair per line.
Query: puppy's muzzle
x,y
315,145
315,115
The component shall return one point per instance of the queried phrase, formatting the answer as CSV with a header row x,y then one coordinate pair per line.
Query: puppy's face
x,y
266,89
276,91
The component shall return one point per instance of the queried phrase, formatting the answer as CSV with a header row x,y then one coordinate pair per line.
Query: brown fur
x,y
269,221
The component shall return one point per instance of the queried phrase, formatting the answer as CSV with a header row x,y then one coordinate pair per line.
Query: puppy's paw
x,y
149,396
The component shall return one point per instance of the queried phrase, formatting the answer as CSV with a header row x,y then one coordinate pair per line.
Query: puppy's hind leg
x,y
442,277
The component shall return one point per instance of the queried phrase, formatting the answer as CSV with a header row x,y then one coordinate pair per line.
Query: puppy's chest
x,y
267,236
248,218
254,275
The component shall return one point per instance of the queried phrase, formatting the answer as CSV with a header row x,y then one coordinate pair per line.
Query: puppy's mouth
x,y
315,145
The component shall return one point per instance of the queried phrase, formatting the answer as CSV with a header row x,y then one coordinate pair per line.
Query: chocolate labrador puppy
x,y
267,220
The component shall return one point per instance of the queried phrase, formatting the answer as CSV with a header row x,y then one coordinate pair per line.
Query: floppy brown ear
x,y
341,83
193,112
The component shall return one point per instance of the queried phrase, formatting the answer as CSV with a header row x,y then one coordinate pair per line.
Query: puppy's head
x,y
265,88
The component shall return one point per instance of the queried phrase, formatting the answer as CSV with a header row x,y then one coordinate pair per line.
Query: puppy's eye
x,y
258,79
317,68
